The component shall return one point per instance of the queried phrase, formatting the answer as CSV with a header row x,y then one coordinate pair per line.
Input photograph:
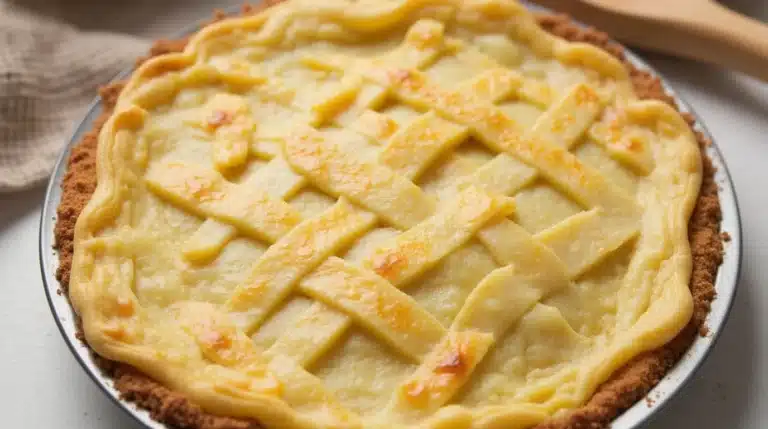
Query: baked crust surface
x,y
594,412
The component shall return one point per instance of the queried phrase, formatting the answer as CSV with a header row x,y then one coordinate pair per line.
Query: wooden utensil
x,y
696,29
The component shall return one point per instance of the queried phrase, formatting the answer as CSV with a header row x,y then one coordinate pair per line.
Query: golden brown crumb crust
x,y
627,386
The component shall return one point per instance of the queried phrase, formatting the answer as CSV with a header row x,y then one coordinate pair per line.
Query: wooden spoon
x,y
696,29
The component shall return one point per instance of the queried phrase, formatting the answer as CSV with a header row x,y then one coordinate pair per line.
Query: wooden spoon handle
x,y
718,35
696,29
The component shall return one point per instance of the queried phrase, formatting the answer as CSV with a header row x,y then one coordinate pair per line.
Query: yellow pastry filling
x,y
404,213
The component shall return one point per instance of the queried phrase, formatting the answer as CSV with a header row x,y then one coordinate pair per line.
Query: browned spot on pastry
x,y
456,363
219,118
390,265
124,307
399,76
414,390
627,386
216,340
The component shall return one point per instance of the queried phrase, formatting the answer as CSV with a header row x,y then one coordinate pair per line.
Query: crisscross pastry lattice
x,y
396,213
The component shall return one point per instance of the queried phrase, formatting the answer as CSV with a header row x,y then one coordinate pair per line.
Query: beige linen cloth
x,y
54,54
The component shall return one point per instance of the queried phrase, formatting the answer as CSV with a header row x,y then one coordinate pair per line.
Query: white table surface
x,y
44,387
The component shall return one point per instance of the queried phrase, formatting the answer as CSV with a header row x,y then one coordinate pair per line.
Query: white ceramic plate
x,y
634,418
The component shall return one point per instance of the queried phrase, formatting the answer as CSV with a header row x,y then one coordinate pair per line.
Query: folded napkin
x,y
51,67
49,72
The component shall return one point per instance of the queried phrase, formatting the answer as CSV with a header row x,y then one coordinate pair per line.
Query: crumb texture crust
x,y
372,214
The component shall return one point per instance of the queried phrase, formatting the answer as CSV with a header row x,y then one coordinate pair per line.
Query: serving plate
x,y
634,418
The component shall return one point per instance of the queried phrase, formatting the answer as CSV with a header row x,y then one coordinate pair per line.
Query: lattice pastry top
x,y
386,214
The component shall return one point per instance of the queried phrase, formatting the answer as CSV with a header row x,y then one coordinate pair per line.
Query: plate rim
x,y
640,413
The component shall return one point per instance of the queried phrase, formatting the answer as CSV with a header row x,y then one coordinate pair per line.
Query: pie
x,y
405,213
